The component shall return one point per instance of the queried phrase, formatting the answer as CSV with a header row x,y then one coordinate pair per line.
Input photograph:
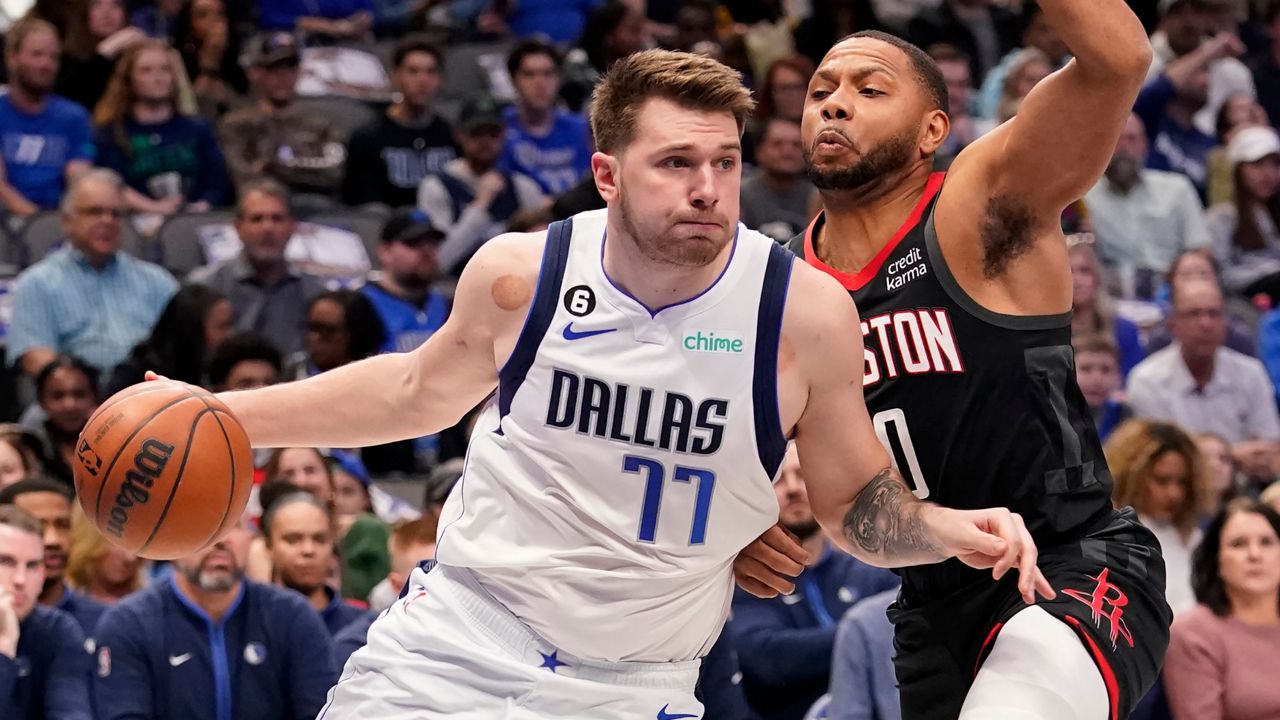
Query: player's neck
x,y
859,223
1255,609
656,284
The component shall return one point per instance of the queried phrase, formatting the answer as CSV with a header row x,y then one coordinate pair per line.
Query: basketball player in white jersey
x,y
650,362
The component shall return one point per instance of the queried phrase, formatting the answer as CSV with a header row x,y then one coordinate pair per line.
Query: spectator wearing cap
x,y
471,199
402,294
330,19
274,138
268,295
89,298
1246,231
389,158
1266,66
44,670
1185,26
1143,218
47,138
550,145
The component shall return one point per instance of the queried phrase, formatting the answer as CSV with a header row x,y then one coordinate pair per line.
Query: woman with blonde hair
x,y
99,569
1026,70
1160,473
147,131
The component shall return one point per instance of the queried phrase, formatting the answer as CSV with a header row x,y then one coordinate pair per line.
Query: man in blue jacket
x,y
50,502
208,644
44,669
785,643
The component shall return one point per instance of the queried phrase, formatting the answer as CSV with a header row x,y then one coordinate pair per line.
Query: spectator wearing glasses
x,y
89,299
1203,386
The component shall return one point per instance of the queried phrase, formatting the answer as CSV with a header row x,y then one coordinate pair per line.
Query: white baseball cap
x,y
1252,144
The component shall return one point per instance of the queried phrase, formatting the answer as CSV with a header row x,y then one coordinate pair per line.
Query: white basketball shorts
x,y
447,649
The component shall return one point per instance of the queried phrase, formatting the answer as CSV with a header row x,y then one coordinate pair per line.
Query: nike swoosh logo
x,y
571,334
176,660
664,715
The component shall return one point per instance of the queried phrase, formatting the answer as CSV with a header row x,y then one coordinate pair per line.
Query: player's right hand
x,y
764,567
994,538
8,624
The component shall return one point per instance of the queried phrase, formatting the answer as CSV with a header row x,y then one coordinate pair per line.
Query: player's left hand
x,y
764,567
994,538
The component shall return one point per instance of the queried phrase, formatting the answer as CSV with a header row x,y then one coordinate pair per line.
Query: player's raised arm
x,y
861,502
404,395
1066,129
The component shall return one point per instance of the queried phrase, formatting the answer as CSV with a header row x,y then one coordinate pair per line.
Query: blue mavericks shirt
x,y
407,326
557,160
37,148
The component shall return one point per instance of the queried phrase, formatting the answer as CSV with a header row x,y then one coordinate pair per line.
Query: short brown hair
x,y
18,519
691,81
421,531
23,28
1096,343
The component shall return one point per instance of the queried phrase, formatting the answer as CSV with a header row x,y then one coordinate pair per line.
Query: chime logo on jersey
x,y
911,342
638,416
707,341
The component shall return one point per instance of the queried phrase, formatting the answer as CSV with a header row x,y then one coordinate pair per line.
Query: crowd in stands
x,y
236,193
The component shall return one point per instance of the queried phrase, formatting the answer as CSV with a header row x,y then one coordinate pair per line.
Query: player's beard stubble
x,y
882,160
661,243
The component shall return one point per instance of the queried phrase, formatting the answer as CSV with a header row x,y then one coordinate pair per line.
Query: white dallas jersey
x,y
628,455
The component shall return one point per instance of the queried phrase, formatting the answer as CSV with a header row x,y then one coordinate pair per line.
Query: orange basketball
x,y
163,469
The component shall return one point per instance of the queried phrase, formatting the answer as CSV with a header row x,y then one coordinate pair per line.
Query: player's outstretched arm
x,y
862,503
397,396
1066,129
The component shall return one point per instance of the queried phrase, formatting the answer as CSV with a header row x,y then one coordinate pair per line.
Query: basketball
x,y
163,469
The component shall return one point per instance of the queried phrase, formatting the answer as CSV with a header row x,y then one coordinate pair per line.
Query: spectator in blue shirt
x,y
300,535
91,299
206,644
863,683
785,643
551,146
148,132
44,669
49,502
1099,376
46,139
402,294
560,21
331,19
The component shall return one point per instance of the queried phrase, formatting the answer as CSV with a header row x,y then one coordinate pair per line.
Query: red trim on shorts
x,y
858,280
986,647
1108,675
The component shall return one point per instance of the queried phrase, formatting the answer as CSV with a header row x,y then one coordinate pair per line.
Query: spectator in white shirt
x,y
1205,387
1143,218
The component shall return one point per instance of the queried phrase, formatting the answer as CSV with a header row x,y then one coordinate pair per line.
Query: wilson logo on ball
x,y
148,465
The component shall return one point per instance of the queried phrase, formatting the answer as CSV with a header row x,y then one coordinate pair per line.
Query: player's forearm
x,y
887,526
1104,36
371,402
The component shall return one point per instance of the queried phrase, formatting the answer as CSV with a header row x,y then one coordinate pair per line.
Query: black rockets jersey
x,y
977,409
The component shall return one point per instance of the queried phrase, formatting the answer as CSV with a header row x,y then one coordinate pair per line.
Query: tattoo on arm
x,y
886,520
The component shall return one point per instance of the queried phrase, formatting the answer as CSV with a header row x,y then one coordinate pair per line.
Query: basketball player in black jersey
x,y
964,291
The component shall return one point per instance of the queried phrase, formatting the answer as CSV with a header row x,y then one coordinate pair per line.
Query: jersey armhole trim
x,y
952,287
555,256
771,443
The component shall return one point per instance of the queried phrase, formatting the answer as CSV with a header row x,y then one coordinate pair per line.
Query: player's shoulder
x,y
823,299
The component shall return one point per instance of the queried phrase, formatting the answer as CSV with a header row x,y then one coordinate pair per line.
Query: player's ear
x,y
937,126
604,168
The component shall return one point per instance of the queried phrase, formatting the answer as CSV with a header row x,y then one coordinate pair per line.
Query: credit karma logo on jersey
x,y
709,341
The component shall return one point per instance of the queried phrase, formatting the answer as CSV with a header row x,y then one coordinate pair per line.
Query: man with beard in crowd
x,y
1144,219
207,644
785,643
46,139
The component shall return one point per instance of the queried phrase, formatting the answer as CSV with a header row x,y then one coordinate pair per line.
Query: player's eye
x,y
819,94
728,164
872,92
7,562
675,163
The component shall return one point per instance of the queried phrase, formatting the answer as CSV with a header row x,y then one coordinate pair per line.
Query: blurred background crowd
x,y
236,193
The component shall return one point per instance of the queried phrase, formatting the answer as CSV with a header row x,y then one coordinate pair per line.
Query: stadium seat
x,y
368,225
180,248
